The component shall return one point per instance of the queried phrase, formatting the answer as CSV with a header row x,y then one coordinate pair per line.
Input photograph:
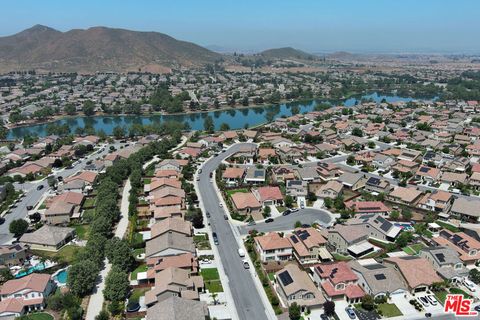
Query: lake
x,y
235,118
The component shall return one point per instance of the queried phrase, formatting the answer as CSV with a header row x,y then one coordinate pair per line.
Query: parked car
x,y
477,308
424,301
351,313
302,205
286,212
40,187
225,217
432,300
246,265
428,315
269,220
2,220
469,284
29,207
208,214
220,204
294,210
215,238
323,316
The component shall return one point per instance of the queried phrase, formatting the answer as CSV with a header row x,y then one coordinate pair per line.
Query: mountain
x,y
98,49
287,53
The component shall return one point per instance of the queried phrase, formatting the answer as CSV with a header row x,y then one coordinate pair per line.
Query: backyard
x,y
38,316
82,231
212,280
140,268
90,202
413,249
66,254
201,241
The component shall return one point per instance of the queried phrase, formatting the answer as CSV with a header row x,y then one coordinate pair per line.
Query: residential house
x,y
282,174
296,188
246,203
338,281
295,286
88,177
268,195
377,185
466,209
342,237
446,262
383,162
273,247
255,175
233,176
417,273
377,226
176,308
332,189
369,207
12,254
454,179
439,201
376,279
48,238
352,181
171,225
466,246
428,174
328,171
27,294
169,244
309,246
406,196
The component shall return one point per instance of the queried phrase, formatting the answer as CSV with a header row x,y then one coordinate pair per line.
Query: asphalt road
x,y
247,300
32,195
284,223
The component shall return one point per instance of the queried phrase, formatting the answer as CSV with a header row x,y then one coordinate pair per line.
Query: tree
x,y
103,315
5,275
267,211
298,224
329,308
351,160
88,108
394,215
404,239
367,302
81,277
116,285
474,275
118,132
294,311
18,227
289,201
407,213
70,109
224,127
371,144
357,132
119,254
208,124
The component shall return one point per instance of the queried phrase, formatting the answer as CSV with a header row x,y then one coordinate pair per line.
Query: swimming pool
x,y
61,277
38,267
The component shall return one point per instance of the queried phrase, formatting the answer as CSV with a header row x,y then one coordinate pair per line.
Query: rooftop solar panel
x,y
440,257
380,276
285,278
294,239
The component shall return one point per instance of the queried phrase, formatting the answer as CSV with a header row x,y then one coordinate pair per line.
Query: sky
x,y
382,26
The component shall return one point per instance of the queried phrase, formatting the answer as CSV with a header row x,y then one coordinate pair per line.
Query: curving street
x,y
248,303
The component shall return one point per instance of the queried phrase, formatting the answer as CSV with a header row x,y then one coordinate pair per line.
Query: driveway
x,y
285,223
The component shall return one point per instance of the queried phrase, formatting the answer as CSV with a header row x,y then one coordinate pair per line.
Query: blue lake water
x,y
235,118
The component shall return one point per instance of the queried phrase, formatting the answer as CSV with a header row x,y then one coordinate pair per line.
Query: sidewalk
x,y
95,304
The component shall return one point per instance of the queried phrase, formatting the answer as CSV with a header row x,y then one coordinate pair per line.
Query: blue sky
x,y
312,25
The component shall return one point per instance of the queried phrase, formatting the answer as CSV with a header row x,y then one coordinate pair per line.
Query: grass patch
x,y
139,251
147,180
460,291
339,257
447,226
42,206
137,238
140,268
389,310
201,241
142,202
212,280
82,231
66,254
271,276
38,316
409,251
90,202
417,247
441,296
137,293
230,192
281,208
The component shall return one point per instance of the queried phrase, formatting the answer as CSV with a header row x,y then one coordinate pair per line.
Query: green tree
x,y
70,109
88,108
267,211
116,285
351,160
368,303
394,215
297,224
474,275
119,254
224,127
357,132
294,311
404,239
208,124
329,308
18,227
5,275
103,315
118,132
81,277
407,213
289,201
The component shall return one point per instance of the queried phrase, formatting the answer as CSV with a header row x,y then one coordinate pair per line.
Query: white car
x,y
220,204
469,284
432,300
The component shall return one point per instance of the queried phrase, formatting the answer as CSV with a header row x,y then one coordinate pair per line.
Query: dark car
x,y
323,316
40,187
305,225
208,214
269,220
286,212
29,207
2,220
215,238
428,315
225,217
477,308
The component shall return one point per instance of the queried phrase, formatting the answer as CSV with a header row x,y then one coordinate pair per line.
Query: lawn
x,y
89,202
441,296
39,316
339,257
389,310
66,254
460,291
137,293
230,192
271,276
147,180
82,231
201,241
212,280
140,268
414,248
447,226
